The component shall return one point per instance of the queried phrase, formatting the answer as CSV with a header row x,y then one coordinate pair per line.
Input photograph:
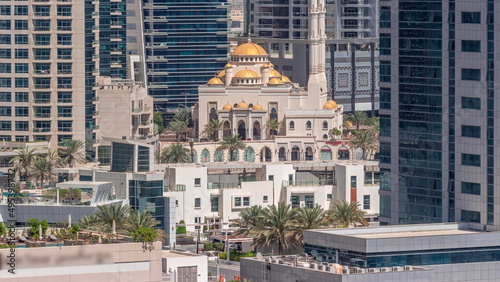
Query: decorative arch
x,y
309,154
256,130
205,156
308,124
265,155
325,124
325,154
235,155
226,128
282,154
242,130
218,156
291,125
343,153
249,155
295,153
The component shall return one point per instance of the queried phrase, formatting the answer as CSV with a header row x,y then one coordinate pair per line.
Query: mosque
x,y
249,92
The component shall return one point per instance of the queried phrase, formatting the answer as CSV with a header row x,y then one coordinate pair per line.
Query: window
x,y
325,125
42,39
471,216
366,202
21,10
265,199
471,188
22,97
197,182
5,125
237,201
4,10
309,199
42,83
354,181
295,200
292,125
5,137
21,68
5,82
64,10
21,24
22,111
42,10
41,97
270,178
64,39
5,111
471,46
471,131
22,125
64,25
246,201
64,82
471,17
308,125
21,39
5,68
471,103
329,197
64,97
471,74
65,125
21,82
21,54
22,138
41,25
64,54
5,97
5,25
5,39
214,204
471,159
64,111
197,203
290,177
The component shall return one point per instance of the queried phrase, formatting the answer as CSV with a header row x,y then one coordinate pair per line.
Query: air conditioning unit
x,y
373,270
345,270
313,266
327,268
362,270
320,267
398,268
273,261
385,269
281,262
355,270
408,268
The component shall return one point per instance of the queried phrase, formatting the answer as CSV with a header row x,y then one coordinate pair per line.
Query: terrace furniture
x,y
23,239
52,237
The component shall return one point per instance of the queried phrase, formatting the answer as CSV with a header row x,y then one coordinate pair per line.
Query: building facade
x,y
438,113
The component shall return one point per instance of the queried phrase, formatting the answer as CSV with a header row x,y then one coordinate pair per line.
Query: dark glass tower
x,y
186,43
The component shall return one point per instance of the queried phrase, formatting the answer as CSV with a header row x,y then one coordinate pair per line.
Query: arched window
x,y
325,136
295,153
265,155
256,130
205,156
325,124
326,154
213,114
249,155
343,153
226,128
308,124
250,105
292,125
273,114
235,156
309,154
282,154
218,156
195,156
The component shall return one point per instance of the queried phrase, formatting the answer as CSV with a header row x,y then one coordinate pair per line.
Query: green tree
x,y
72,151
279,228
231,143
158,120
144,234
365,140
138,219
88,222
53,157
335,132
346,214
273,125
180,128
357,118
107,214
35,226
3,229
175,153
42,171
250,219
73,231
181,229
213,128
308,218
184,116
23,161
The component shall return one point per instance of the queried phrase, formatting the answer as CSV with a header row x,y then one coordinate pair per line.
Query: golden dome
x,y
246,73
271,64
227,107
242,105
228,65
249,48
222,73
274,73
265,65
275,80
215,80
257,107
285,78
330,104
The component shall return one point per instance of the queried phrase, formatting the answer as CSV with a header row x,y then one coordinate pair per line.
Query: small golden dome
x,y
271,64
274,73
275,80
246,73
285,78
242,105
249,48
227,107
265,65
257,107
228,65
222,73
330,104
215,80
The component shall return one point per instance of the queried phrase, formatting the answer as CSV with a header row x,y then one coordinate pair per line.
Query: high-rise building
x,y
438,115
185,42
42,89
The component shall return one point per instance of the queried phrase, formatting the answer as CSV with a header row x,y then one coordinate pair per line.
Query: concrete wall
x,y
172,260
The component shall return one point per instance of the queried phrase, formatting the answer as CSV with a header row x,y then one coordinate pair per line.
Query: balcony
x,y
224,185
65,129
145,123
42,86
41,129
310,183
42,71
96,113
175,188
42,101
64,72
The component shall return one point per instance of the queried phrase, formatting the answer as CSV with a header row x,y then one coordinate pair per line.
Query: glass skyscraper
x,y
186,43
437,112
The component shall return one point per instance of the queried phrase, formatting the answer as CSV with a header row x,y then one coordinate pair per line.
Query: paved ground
x,y
228,270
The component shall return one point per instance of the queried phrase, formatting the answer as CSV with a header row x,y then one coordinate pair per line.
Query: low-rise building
x,y
180,266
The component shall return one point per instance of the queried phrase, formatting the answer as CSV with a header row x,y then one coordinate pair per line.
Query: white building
x,y
181,266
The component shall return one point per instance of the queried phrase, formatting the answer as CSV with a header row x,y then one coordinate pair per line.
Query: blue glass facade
x,y
148,195
186,44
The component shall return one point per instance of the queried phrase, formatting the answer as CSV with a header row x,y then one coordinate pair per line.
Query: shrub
x,y
181,229
34,224
236,256
219,246
208,246
144,234
3,229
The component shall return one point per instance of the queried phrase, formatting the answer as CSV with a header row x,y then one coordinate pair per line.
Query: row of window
x,y
308,125
38,68
62,126
38,97
25,138
39,112
38,25
39,82
38,54
39,39
38,10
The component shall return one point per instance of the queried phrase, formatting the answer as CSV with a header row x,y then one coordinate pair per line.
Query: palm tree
x,y
179,128
213,128
184,116
250,219
175,153
231,142
54,158
346,214
308,218
23,161
278,228
107,214
357,118
273,125
144,219
72,152
41,170
365,140
335,132
89,222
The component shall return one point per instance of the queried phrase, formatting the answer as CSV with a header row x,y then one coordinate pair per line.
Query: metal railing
x,y
174,188
224,185
309,183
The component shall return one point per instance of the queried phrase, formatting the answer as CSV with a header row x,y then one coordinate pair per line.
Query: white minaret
x,y
322,44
